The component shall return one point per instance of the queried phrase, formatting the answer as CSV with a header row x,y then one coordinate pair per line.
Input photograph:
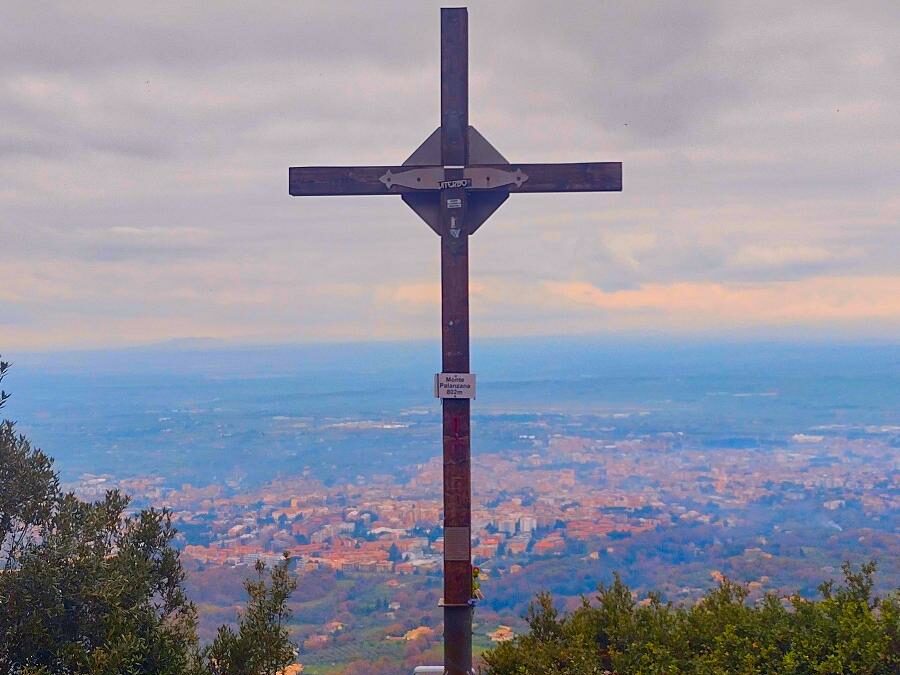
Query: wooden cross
x,y
454,181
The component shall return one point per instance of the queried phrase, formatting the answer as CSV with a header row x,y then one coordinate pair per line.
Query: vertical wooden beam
x,y
455,344
456,420
454,86
456,434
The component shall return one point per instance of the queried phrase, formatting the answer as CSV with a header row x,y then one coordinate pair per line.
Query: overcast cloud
x,y
144,150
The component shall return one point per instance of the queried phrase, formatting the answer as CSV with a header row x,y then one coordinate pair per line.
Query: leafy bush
x,y
89,588
846,631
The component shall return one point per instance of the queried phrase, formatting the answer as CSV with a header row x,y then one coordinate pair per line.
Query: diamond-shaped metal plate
x,y
481,203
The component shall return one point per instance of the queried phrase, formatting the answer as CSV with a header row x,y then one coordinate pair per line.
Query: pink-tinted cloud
x,y
711,305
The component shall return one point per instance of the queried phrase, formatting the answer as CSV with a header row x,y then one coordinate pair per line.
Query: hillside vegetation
x,y
93,588
846,631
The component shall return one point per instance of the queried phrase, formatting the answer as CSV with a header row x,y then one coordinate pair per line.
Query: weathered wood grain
x,y
306,181
454,86
580,177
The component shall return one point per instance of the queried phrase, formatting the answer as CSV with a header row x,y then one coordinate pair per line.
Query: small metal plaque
x,y
454,385
456,543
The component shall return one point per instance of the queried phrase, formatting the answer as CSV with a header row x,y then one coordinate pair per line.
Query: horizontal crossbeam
x,y
580,177
384,180
340,180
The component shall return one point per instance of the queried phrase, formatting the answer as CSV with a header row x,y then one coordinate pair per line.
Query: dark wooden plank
x,y
582,177
454,86
366,180
341,180
456,412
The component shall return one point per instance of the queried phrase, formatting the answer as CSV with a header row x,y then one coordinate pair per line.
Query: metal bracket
x,y
469,603
474,177
426,178
484,178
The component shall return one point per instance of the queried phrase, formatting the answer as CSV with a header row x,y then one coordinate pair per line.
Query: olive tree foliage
x,y
260,645
4,366
94,588
86,587
28,487
846,631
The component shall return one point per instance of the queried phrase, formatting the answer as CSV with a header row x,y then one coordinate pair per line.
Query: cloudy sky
x,y
144,150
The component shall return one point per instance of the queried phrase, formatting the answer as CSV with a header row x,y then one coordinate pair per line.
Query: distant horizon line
x,y
188,344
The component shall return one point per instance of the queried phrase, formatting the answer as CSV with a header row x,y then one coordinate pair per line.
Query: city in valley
x,y
562,512
769,465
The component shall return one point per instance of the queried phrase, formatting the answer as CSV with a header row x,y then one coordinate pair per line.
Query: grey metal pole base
x,y
458,640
